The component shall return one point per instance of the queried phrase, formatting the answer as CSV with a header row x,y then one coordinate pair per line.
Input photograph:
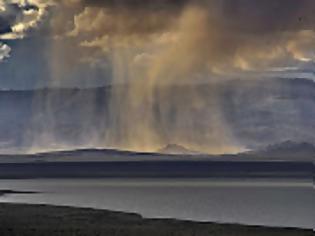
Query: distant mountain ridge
x,y
176,149
101,155
287,150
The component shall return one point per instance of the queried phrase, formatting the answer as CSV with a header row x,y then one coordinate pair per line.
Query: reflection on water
x,y
275,203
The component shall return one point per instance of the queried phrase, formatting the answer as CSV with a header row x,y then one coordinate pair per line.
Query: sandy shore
x,y
46,220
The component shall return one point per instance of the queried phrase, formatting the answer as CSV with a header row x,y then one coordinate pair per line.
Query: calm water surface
x,y
273,203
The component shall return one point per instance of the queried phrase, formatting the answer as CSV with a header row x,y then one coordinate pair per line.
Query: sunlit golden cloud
x,y
4,51
216,37
20,16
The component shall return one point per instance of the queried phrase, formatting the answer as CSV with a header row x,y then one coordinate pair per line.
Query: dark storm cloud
x,y
29,7
127,18
138,4
9,17
5,26
216,33
257,15
18,18
213,32
12,14
244,15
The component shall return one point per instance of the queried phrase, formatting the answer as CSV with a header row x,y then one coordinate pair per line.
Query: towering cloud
x,y
238,35
225,35
18,17
4,51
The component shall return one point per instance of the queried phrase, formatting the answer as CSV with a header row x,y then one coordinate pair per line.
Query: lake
x,y
254,202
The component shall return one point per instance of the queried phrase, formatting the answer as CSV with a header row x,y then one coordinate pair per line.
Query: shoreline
x,y
42,219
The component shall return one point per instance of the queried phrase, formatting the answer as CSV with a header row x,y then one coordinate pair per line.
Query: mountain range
x,y
286,151
176,149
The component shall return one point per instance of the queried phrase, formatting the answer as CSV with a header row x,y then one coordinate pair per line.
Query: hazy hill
x,y
176,150
99,155
287,150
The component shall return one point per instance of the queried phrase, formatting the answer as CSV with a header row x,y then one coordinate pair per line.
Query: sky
x,y
142,49
81,43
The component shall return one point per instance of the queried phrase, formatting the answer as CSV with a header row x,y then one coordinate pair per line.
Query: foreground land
x,y
159,169
34,220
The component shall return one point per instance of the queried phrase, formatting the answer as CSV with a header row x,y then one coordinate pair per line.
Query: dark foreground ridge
x,y
45,220
8,191
158,169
